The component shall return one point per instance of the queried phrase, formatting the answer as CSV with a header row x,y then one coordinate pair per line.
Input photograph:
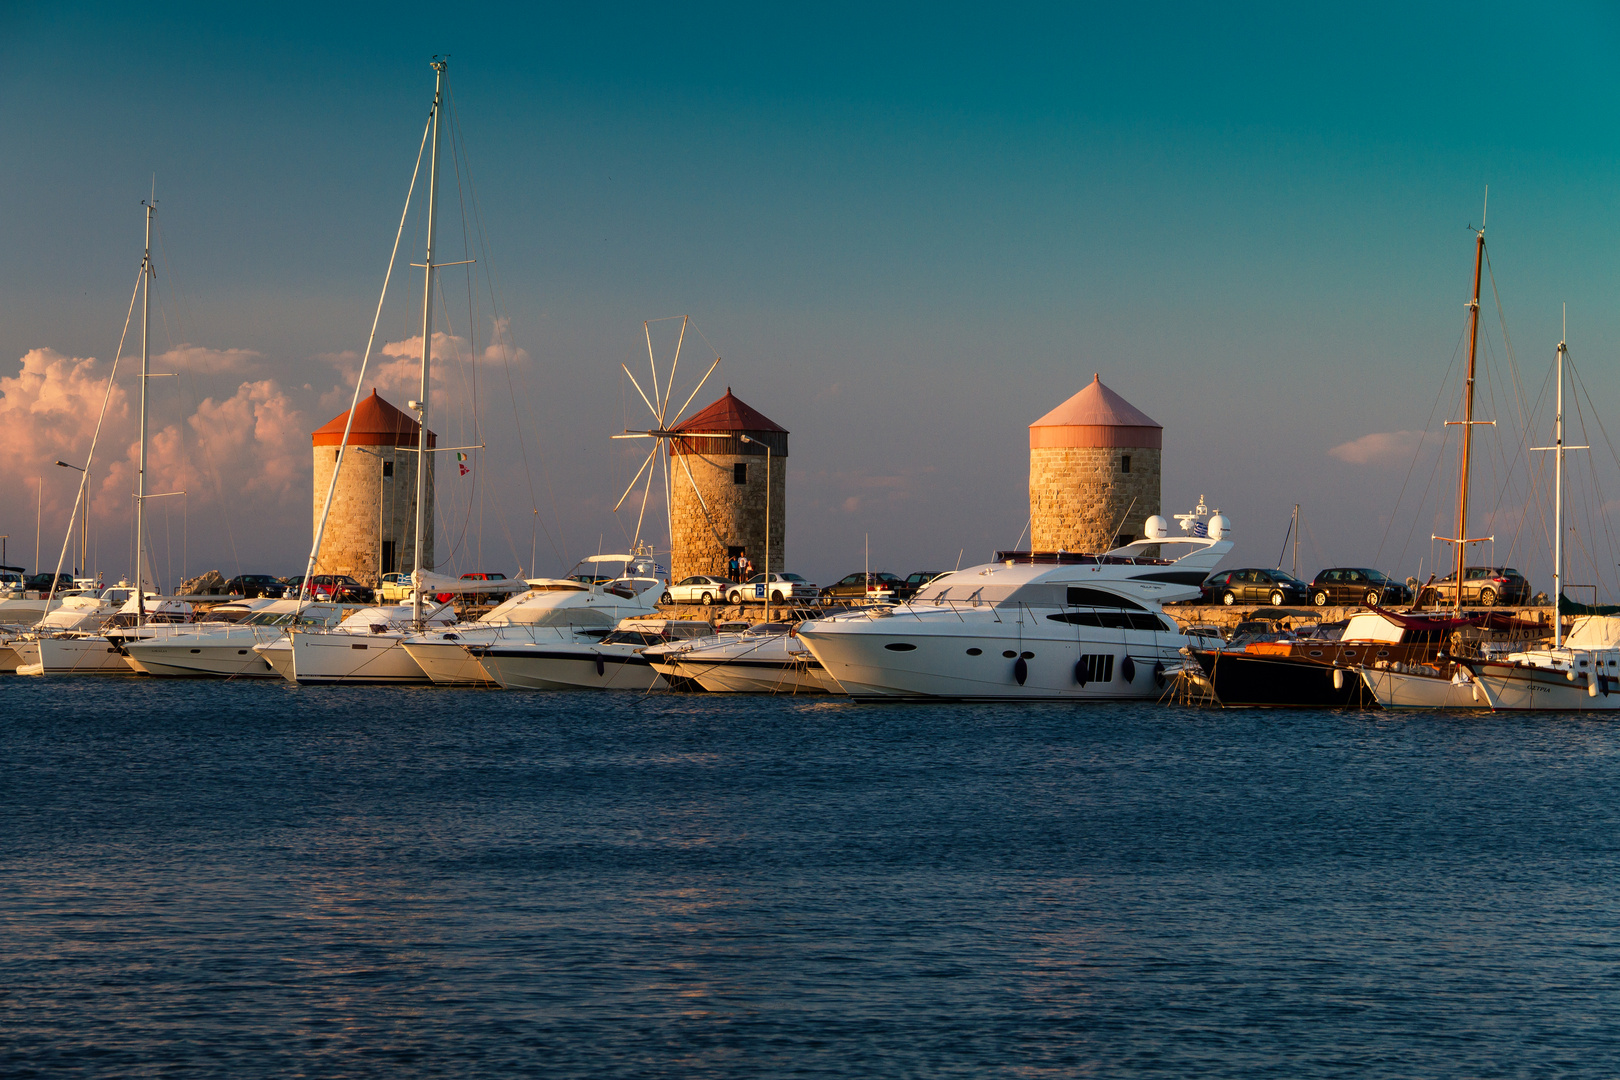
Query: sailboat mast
x,y
1558,505
423,522
1468,418
140,475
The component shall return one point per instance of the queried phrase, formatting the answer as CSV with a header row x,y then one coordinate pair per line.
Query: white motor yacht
x,y
767,658
222,646
86,650
1029,625
363,648
613,663
555,611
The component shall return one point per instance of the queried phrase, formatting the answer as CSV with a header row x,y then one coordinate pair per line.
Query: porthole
x,y
1009,654
900,646
1349,652
1027,655
975,652
1316,652
1383,652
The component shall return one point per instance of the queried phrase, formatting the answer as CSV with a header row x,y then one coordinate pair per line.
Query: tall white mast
x,y
1559,448
140,475
1558,503
423,522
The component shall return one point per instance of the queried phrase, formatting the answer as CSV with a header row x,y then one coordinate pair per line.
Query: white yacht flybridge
x,y
1030,625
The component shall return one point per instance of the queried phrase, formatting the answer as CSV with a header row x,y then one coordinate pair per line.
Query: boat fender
x,y
1080,672
1020,670
1591,685
1127,669
601,668
1338,678
1570,674
1158,674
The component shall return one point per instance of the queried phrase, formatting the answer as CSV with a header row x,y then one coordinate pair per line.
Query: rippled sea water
x,y
259,880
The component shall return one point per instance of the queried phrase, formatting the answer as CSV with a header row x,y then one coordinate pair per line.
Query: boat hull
x,y
536,667
939,663
1401,690
1524,688
346,658
231,660
1240,680
448,663
70,656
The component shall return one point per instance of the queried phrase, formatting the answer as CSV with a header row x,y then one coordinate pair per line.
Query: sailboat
x,y
82,652
1580,673
1444,681
365,647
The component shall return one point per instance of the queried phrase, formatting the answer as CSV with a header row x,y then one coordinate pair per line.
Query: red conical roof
x,y
1096,416
376,423
730,413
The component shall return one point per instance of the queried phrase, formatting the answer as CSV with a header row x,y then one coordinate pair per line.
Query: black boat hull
x,y
1242,679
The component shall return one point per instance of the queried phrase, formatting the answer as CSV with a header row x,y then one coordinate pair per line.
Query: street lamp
x,y
84,526
767,446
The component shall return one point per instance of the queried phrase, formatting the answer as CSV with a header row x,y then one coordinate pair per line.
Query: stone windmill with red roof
x,y
372,528
725,476
1093,472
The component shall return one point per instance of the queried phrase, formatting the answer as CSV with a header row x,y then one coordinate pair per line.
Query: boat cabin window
x,y
633,637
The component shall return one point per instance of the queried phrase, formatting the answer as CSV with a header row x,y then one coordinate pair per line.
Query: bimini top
x,y
731,414
376,423
1096,416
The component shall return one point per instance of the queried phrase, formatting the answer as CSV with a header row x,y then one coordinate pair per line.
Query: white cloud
x,y
1379,448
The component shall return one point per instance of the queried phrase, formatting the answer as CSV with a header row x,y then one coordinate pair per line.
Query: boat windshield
x,y
633,637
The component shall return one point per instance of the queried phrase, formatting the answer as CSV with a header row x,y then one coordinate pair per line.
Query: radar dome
x,y
1155,527
1219,527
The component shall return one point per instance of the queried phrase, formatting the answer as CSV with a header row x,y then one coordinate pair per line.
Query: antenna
x,y
1486,209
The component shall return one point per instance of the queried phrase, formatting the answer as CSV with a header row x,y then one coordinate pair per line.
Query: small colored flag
x,y
461,459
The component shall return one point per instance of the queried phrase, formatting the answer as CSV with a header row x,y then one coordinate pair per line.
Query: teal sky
x,y
909,233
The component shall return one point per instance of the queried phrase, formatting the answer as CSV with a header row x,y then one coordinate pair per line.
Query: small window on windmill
x,y
388,469
1124,463
739,473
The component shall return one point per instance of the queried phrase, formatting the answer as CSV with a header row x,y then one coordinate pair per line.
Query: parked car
x,y
475,598
394,588
252,585
341,588
868,585
1356,585
42,582
783,587
1253,585
699,589
915,583
1485,585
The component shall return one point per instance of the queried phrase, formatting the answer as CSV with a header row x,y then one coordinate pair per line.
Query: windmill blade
x,y
670,388
646,328
651,473
643,394
698,387
636,479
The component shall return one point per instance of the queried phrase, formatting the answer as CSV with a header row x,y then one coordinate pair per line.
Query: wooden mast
x,y
1468,418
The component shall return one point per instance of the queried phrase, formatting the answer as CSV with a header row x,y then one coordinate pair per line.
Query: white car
x,y
394,588
699,589
783,587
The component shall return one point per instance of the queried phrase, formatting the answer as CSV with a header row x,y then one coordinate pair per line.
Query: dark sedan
x,y
252,585
1251,585
870,585
915,583
1356,585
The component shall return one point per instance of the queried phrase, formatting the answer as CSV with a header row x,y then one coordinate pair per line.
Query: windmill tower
x,y
372,528
730,496
1093,472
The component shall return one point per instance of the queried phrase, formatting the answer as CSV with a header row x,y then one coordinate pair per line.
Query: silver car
x,y
699,589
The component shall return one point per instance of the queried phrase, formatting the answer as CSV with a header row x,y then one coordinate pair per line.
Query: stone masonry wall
x,y
368,508
736,513
1077,496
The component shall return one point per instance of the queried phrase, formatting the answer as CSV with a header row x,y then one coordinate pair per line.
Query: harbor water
x,y
261,880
